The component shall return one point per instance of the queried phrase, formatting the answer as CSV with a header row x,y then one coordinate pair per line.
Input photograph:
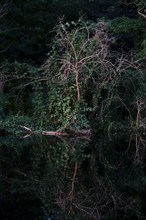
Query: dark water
x,y
56,178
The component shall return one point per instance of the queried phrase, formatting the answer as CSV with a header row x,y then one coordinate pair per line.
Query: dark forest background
x,y
26,26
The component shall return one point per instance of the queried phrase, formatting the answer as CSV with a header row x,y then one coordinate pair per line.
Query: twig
x,y
141,12
71,194
26,128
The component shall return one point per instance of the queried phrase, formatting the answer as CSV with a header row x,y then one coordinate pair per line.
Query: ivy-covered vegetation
x,y
88,77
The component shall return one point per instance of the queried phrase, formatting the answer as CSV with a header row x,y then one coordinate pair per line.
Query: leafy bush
x,y
83,84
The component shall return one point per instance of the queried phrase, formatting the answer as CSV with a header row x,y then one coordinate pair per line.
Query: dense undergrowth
x,y
88,80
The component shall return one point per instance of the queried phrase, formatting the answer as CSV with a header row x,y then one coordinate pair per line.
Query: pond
x,y
101,87
69,178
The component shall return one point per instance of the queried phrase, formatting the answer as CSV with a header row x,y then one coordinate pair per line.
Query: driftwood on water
x,y
84,133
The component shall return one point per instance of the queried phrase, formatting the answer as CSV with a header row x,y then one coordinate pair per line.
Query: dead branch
x,y
4,9
26,128
141,12
71,194
77,83
83,134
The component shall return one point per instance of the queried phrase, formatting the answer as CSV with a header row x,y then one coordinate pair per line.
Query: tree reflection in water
x,y
69,179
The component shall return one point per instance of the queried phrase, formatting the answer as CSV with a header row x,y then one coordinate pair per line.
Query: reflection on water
x,y
53,178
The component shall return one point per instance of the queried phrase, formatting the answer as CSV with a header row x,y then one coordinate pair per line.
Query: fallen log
x,y
53,133
83,133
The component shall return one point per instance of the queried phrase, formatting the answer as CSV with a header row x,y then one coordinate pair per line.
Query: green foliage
x,y
11,124
71,67
132,28
124,24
